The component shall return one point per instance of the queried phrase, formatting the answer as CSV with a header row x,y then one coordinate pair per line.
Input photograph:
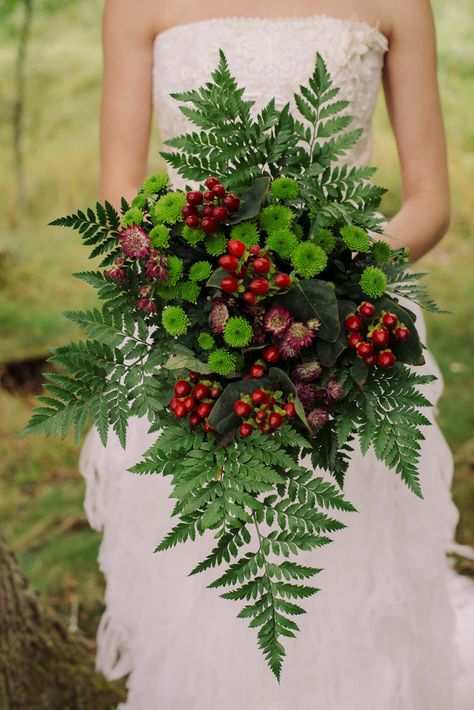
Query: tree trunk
x,y
19,102
42,665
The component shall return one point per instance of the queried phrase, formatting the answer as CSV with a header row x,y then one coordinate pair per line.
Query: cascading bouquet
x,y
255,322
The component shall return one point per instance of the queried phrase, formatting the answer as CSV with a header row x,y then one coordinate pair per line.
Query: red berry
x,y
271,354
261,415
229,284
208,225
208,211
402,333
364,349
208,195
208,428
370,359
389,320
180,410
235,247
354,339
353,323
380,337
231,201
182,388
189,209
201,391
189,403
215,392
193,376
275,420
249,297
229,262
220,213
245,429
259,286
242,409
290,410
218,190
367,309
283,280
258,396
204,409
173,402
386,359
192,220
255,249
194,197
212,182
257,370
194,418
262,265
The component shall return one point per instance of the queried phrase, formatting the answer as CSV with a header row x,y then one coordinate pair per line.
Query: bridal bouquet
x,y
256,322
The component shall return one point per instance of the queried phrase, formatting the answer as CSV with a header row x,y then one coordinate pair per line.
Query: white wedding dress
x,y
393,627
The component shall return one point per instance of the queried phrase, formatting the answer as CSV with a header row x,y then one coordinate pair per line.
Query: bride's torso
x,y
270,58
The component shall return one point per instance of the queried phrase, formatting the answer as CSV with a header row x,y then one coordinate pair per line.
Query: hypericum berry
x,y
229,284
194,197
193,376
180,410
386,359
173,402
249,297
259,286
271,354
260,415
208,211
212,182
194,419
262,265
208,225
364,349
370,359
208,428
204,409
201,391
245,429
255,249
182,388
258,396
402,333
389,320
208,195
215,392
275,420
192,220
218,190
354,339
235,247
231,201
189,403
242,409
367,309
380,337
283,280
290,410
257,370
189,209
229,262
220,213
353,323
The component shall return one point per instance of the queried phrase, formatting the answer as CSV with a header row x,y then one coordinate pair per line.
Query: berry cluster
x,y
381,333
264,410
252,273
195,399
207,208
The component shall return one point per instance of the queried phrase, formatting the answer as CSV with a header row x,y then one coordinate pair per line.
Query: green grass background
x,y
41,491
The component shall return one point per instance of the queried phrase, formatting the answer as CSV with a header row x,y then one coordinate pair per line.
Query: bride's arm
x,y
127,35
412,96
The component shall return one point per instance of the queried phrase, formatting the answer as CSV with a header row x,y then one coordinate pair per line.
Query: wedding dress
x,y
392,627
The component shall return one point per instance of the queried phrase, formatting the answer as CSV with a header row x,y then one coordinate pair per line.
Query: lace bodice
x,y
270,57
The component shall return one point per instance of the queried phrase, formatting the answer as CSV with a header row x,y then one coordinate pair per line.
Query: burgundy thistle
x,y
296,337
135,242
318,417
219,316
116,273
277,320
314,323
334,391
305,394
155,267
307,371
144,302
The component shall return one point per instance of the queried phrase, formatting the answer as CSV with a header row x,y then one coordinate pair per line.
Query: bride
x,y
390,628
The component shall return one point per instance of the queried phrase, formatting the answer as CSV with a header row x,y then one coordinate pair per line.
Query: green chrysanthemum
x,y
284,188
283,242
215,244
245,232
132,216
309,259
139,202
297,229
222,362
373,281
189,291
168,208
155,183
160,236
200,271
167,293
325,239
356,238
238,332
381,252
275,217
174,267
206,341
192,235
174,320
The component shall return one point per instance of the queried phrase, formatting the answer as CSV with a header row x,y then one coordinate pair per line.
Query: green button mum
x,y
206,341
373,281
155,183
222,362
381,251
309,259
175,321
356,238
168,208
160,236
284,188
283,242
245,232
275,217
200,271
132,216
238,332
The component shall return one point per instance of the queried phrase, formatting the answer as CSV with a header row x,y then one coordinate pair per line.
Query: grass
x,y
41,492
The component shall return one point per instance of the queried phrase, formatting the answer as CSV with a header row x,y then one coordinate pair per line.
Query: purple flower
x,y
318,417
135,242
155,267
277,320
219,315
116,273
305,394
299,335
146,305
334,391
307,371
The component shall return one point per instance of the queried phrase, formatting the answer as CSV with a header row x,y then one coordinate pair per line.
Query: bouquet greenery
x,y
256,322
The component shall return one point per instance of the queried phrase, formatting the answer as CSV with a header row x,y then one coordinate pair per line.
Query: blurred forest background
x,y
49,105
